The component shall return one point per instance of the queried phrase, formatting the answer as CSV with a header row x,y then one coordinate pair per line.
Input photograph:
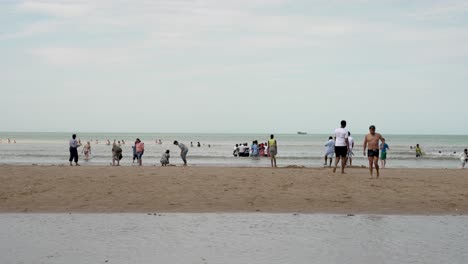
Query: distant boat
x,y
301,133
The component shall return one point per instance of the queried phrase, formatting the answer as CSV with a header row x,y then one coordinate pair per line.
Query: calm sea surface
x,y
232,238
440,151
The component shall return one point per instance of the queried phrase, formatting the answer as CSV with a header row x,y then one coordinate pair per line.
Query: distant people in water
x,y
116,155
9,141
198,144
350,154
97,141
464,158
383,154
118,143
74,150
191,144
371,142
123,142
418,151
261,150
183,151
273,150
87,150
14,141
329,151
165,158
140,149
108,142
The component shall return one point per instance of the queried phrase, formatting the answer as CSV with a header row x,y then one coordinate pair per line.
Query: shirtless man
x,y
371,142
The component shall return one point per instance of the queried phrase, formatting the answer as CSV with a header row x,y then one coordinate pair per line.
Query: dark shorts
x,y
341,151
372,153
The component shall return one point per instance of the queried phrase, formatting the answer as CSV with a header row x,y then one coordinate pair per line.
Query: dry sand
x,y
224,189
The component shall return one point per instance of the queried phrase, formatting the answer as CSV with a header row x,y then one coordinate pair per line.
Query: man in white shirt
x,y
350,149
74,150
341,146
329,151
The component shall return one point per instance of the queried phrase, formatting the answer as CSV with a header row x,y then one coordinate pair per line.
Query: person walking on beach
x,y
116,154
418,151
74,150
329,151
464,158
371,142
341,146
140,149
350,154
165,158
87,150
183,151
383,154
272,150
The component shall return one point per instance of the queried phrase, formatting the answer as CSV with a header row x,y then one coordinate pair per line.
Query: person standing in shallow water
x,y
371,142
272,150
418,151
140,149
74,150
183,151
87,150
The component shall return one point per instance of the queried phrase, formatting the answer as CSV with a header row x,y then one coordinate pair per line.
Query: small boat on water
x,y
301,133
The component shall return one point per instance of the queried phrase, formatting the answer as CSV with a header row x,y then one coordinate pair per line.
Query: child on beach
x,y
165,158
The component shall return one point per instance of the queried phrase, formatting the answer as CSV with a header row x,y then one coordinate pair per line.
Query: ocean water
x,y
232,238
441,151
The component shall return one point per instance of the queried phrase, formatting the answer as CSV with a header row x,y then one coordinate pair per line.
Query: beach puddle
x,y
231,238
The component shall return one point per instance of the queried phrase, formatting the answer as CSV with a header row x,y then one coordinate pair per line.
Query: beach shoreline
x,y
153,189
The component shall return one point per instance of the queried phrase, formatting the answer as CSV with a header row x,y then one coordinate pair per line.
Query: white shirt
x,y
241,149
330,146
463,157
350,141
341,134
73,143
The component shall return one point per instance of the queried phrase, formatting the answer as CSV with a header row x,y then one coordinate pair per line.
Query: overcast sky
x,y
266,66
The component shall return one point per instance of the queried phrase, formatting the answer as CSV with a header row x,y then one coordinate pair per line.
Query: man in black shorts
x,y
371,143
341,146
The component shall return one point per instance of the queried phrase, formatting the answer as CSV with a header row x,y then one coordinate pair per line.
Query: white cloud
x,y
57,8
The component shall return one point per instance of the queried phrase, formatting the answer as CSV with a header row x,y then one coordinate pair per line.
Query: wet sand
x,y
223,189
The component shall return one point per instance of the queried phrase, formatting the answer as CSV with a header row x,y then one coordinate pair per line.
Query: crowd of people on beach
x,y
339,146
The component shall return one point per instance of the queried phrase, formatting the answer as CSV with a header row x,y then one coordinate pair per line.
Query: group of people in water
x,y
256,150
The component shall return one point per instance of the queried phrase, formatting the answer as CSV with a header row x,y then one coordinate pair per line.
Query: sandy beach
x,y
225,189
